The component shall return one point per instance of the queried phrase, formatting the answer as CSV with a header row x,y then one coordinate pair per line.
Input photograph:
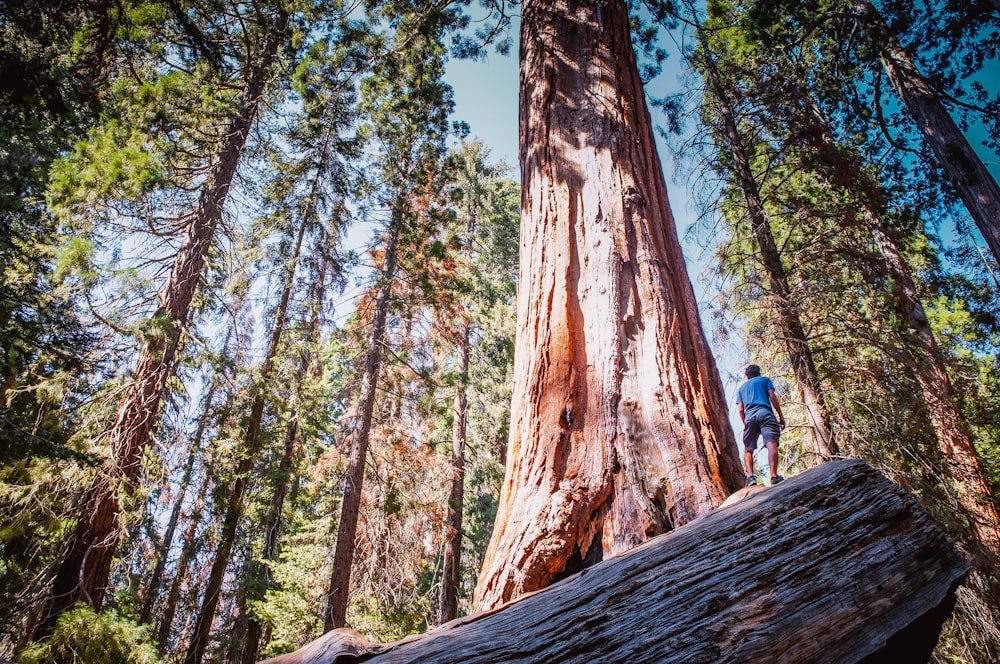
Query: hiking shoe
x,y
751,480
777,479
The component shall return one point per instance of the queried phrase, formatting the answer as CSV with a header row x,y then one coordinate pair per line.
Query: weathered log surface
x,y
834,565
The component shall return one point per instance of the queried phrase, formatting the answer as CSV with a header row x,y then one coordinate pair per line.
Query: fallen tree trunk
x,y
834,565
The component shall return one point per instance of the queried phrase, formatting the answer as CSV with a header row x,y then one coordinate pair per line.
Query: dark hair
x,y
752,371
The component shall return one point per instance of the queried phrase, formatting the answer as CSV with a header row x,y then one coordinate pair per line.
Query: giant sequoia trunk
x,y
789,322
619,427
83,574
966,171
836,565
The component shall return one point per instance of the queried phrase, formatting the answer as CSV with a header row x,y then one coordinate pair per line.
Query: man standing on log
x,y
755,398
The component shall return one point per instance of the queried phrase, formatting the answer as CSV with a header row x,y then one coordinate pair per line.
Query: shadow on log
x,y
834,565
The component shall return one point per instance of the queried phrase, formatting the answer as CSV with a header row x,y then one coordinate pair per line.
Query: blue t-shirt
x,y
753,394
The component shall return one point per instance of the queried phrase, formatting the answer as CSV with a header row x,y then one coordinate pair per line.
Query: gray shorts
x,y
761,423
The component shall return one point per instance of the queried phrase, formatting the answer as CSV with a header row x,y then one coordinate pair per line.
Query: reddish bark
x,y
619,427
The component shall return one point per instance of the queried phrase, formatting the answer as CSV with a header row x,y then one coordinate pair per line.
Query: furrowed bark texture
x,y
836,565
789,322
619,428
972,181
83,574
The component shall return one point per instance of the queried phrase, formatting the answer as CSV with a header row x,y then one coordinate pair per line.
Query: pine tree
x,y
409,105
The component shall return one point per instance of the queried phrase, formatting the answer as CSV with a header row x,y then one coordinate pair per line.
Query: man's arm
x,y
743,413
777,407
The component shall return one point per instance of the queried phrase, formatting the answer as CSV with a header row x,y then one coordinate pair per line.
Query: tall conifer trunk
x,y
272,521
619,428
952,433
966,171
163,550
456,494
789,321
924,357
189,549
250,452
335,613
83,574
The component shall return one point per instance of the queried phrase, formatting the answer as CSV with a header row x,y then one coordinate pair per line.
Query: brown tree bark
x,y
619,427
851,570
335,612
789,321
966,171
451,577
950,429
250,451
83,573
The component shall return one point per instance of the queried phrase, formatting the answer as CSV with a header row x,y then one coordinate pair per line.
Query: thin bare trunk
x,y
456,496
83,574
188,551
966,171
163,550
619,427
250,452
335,613
788,319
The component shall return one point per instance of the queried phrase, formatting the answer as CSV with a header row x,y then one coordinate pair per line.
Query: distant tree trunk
x,y
163,550
272,530
925,357
188,551
261,577
335,613
83,573
250,452
619,427
788,320
950,428
966,171
456,496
